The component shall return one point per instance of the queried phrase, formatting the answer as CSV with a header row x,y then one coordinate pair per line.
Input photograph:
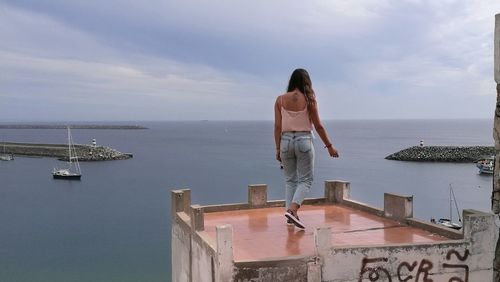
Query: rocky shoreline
x,y
60,151
459,154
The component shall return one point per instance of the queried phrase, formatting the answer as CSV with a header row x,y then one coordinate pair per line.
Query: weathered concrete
x,y
398,207
443,153
196,257
465,256
497,49
495,196
257,195
337,191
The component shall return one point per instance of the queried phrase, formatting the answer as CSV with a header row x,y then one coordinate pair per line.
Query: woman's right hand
x,y
333,152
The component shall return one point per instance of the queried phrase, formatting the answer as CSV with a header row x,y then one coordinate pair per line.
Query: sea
x,y
114,224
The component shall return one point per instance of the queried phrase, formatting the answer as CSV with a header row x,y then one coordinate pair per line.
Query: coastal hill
x,y
443,153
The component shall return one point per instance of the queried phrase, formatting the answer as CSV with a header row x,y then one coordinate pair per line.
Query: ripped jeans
x,y
297,157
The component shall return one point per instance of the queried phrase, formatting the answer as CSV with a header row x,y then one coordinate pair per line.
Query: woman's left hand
x,y
333,152
278,157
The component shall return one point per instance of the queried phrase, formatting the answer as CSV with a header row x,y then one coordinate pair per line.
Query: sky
x,y
89,60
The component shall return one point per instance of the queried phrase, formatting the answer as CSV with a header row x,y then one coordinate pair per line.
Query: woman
x,y
295,113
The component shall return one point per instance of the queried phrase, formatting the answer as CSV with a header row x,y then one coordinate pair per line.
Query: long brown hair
x,y
301,81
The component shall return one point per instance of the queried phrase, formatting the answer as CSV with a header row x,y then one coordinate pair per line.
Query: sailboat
x,y
4,156
448,222
69,173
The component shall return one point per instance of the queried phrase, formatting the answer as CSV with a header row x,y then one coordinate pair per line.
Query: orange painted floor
x,y
263,233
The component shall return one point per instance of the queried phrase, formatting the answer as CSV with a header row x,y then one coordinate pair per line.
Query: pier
x,y
345,240
60,151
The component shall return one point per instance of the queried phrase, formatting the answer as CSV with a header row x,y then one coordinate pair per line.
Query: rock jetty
x,y
460,154
60,151
72,126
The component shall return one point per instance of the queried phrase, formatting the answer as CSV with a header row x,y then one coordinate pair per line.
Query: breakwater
x,y
60,151
443,153
72,126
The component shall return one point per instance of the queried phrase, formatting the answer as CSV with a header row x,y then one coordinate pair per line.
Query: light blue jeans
x,y
297,157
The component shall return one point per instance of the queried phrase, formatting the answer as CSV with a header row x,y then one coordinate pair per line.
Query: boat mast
x,y
69,147
456,204
451,214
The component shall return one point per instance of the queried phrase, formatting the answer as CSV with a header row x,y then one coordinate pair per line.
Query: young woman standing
x,y
295,113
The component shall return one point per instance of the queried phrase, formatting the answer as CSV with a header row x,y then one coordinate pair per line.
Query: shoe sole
x,y
295,221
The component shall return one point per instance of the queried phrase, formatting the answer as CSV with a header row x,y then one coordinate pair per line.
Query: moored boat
x,y
67,173
6,157
448,222
486,166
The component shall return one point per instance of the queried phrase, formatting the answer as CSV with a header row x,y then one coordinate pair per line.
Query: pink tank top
x,y
294,120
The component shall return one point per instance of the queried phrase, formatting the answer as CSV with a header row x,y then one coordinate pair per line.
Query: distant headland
x,y
72,126
459,154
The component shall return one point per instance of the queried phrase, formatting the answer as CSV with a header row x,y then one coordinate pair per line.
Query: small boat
x,y
486,166
6,157
448,222
67,173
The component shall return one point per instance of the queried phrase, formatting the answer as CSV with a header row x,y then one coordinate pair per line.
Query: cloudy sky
x,y
127,60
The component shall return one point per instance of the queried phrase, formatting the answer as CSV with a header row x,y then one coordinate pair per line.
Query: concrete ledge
x,y
274,262
205,240
434,228
363,207
290,269
246,206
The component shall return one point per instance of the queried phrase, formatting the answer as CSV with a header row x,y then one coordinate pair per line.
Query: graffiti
x,y
373,274
373,269
463,266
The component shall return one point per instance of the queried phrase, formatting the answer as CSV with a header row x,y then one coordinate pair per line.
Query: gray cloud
x,y
229,59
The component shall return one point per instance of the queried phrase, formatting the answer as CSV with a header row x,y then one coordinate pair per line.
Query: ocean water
x,y
114,224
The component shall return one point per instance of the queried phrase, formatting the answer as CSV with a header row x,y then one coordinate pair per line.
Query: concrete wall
x,y
181,250
469,259
497,49
196,257
292,269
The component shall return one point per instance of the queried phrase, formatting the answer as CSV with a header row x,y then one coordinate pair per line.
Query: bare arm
x,y
322,131
277,128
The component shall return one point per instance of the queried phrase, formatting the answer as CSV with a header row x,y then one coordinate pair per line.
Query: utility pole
x,y
495,196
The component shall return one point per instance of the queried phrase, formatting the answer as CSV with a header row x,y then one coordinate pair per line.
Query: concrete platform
x,y
344,240
263,233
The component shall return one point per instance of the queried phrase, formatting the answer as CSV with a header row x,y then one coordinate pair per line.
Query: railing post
x,y
257,195
323,244
336,191
197,218
224,238
398,207
180,201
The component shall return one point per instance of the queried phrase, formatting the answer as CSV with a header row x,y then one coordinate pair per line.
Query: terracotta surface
x,y
263,233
